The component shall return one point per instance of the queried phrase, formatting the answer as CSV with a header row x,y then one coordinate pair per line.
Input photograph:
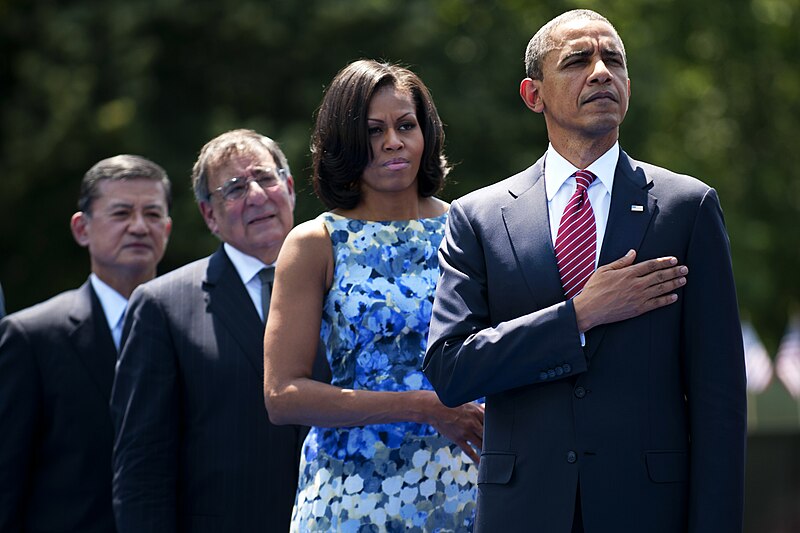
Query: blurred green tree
x,y
716,92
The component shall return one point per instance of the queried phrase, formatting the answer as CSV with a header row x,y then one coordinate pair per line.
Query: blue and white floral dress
x,y
383,477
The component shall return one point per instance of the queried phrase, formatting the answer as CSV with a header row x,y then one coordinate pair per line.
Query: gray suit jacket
x,y
56,369
648,420
195,450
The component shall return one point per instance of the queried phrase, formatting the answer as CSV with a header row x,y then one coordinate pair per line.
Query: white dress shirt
x,y
560,186
113,304
248,268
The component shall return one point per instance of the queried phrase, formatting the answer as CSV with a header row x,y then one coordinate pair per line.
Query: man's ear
x,y
290,189
168,228
531,94
79,226
207,210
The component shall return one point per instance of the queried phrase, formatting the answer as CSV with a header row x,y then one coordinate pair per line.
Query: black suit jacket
x,y
648,420
56,370
195,450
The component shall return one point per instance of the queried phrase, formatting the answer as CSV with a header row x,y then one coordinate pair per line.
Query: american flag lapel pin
x,y
637,208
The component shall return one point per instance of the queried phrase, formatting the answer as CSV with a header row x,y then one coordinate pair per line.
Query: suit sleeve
x,y
715,375
145,413
470,356
19,408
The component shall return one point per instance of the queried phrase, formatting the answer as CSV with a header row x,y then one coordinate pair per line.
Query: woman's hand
x,y
463,424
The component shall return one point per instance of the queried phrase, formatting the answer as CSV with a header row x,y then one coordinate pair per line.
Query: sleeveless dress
x,y
383,477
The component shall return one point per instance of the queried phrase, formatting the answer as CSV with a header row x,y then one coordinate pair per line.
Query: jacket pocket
x,y
667,466
496,467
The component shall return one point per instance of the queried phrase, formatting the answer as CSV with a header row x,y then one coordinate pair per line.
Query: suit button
x,y
551,373
543,376
559,371
580,392
572,457
567,368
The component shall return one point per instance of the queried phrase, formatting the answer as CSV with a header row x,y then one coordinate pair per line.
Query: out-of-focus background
x,y
716,94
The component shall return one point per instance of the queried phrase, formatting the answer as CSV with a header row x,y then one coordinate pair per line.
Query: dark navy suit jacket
x,y
648,420
195,450
56,370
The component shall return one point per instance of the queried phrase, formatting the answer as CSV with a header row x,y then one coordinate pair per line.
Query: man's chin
x,y
140,261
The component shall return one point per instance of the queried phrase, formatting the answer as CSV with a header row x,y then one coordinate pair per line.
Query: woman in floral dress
x,y
383,453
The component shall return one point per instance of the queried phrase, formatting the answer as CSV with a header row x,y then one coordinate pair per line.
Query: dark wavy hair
x,y
340,144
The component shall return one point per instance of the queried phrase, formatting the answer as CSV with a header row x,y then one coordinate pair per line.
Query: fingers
x,y
468,429
477,441
469,450
659,287
653,265
622,262
661,284
652,271
659,301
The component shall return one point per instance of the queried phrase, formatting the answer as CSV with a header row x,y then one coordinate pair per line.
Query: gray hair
x,y
543,42
118,168
223,147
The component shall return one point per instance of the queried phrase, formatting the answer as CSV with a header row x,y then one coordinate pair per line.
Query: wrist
x,y
582,316
419,406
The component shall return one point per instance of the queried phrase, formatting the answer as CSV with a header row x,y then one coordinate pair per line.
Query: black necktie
x,y
267,275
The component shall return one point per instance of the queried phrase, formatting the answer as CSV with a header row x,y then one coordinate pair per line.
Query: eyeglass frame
x,y
281,173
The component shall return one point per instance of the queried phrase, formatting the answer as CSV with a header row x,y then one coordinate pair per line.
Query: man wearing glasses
x,y
194,448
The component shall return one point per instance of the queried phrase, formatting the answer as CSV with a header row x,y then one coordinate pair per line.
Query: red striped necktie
x,y
576,242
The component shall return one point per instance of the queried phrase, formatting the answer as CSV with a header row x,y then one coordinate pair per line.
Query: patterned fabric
x,y
387,477
576,243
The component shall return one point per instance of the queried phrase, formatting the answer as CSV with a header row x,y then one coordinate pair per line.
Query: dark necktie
x,y
576,242
267,275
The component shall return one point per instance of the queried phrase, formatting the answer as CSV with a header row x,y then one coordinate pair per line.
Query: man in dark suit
x,y
616,409
194,448
57,358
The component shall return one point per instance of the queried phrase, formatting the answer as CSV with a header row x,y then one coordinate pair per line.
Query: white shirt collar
x,y
112,302
247,266
558,170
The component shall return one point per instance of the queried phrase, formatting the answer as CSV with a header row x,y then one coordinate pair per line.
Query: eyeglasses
x,y
236,188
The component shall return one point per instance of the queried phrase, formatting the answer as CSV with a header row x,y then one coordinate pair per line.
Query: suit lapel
x,y
92,340
227,299
632,209
528,226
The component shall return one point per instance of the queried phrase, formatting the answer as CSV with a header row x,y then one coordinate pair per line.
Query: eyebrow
x,y
611,52
118,205
605,53
401,117
128,205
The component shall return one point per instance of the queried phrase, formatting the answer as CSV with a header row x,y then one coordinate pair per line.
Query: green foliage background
x,y
716,94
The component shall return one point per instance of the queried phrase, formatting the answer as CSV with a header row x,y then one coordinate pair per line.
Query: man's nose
x,y
255,193
137,225
601,72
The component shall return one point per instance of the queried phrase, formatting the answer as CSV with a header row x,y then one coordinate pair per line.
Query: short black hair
x,y
542,42
340,145
120,167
